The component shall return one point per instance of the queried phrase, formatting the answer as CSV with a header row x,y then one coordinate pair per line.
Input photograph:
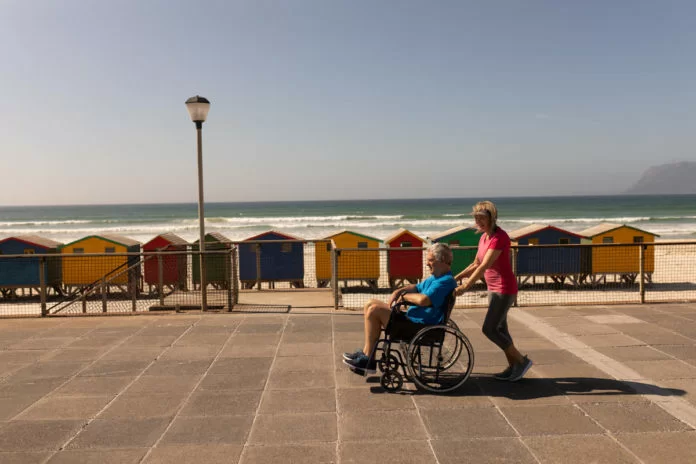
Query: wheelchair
x,y
438,358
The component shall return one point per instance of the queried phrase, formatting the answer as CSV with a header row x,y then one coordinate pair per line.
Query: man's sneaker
x,y
356,354
505,375
362,365
519,369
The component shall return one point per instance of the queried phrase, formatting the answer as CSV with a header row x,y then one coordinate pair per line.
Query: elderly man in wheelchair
x,y
430,344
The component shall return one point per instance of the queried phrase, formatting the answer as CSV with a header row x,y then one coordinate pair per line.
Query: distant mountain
x,y
667,179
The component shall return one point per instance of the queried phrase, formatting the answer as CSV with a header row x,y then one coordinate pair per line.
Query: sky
x,y
330,99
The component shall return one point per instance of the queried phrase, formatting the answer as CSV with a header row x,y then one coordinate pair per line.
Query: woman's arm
x,y
467,272
488,260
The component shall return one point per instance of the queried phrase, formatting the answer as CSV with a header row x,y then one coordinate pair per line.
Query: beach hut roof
x,y
400,232
282,234
534,228
34,240
352,233
171,238
451,231
605,227
217,236
113,238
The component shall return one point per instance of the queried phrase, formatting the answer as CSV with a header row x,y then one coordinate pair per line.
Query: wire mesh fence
x,y
245,275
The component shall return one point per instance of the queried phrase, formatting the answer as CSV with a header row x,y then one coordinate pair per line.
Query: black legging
x,y
495,326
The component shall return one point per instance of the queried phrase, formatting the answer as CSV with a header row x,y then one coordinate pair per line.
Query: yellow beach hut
x,y
622,261
79,271
352,265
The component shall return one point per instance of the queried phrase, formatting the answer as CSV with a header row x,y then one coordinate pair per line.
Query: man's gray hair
x,y
441,252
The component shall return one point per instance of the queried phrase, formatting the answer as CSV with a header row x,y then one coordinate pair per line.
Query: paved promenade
x,y
611,384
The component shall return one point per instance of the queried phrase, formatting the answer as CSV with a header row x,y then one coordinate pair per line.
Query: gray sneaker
x,y
505,375
519,369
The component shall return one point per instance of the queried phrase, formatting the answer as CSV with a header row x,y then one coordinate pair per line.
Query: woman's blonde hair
x,y
488,208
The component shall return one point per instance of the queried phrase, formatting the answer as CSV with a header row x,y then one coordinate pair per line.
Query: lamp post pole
x,y
198,109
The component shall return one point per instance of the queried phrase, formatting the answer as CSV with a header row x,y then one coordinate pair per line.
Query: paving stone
x,y
358,399
468,422
246,339
102,456
37,435
609,340
239,381
11,406
657,370
680,351
403,452
181,367
482,450
526,391
220,403
307,337
379,425
175,384
47,370
467,396
190,353
304,349
57,407
75,354
550,420
345,378
632,353
661,447
290,454
216,430
633,417
251,328
235,365
587,328
596,390
103,368
43,343
194,454
160,341
128,353
94,385
120,433
137,405
280,380
569,371
31,387
293,428
249,351
580,449
298,401
303,364
26,457
212,339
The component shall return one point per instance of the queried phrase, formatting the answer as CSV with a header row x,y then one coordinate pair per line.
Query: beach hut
x,y
559,263
218,266
462,236
25,272
115,270
362,266
621,261
271,262
174,266
404,265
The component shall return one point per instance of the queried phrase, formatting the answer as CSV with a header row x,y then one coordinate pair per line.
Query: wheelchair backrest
x,y
449,306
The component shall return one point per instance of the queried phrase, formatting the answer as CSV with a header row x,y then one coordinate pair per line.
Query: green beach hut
x,y
462,236
218,266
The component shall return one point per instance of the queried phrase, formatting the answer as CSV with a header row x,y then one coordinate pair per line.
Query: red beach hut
x,y
174,266
404,265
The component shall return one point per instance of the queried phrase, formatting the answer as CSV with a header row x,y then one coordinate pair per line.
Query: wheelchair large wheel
x,y
456,350
440,359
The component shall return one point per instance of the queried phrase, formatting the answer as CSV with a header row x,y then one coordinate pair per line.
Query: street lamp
x,y
198,110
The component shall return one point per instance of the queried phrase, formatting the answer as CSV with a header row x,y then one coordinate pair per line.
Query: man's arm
x,y
396,294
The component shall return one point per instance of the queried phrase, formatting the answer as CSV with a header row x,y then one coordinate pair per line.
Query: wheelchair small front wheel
x,y
391,381
388,364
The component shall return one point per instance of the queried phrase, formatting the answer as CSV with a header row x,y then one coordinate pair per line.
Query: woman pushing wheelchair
x,y
493,263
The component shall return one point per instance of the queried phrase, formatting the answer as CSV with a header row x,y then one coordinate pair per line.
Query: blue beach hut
x,y
24,272
271,262
558,262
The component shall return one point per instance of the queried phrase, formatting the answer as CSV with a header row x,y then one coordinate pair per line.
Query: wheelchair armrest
x,y
400,304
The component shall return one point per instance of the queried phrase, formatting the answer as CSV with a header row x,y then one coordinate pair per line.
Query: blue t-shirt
x,y
436,289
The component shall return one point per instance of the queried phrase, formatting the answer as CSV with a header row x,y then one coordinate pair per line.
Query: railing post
x,y
258,266
160,278
334,275
641,257
228,278
514,271
133,283
103,292
42,284
235,277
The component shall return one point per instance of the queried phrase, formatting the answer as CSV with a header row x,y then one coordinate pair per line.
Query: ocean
x,y
672,217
